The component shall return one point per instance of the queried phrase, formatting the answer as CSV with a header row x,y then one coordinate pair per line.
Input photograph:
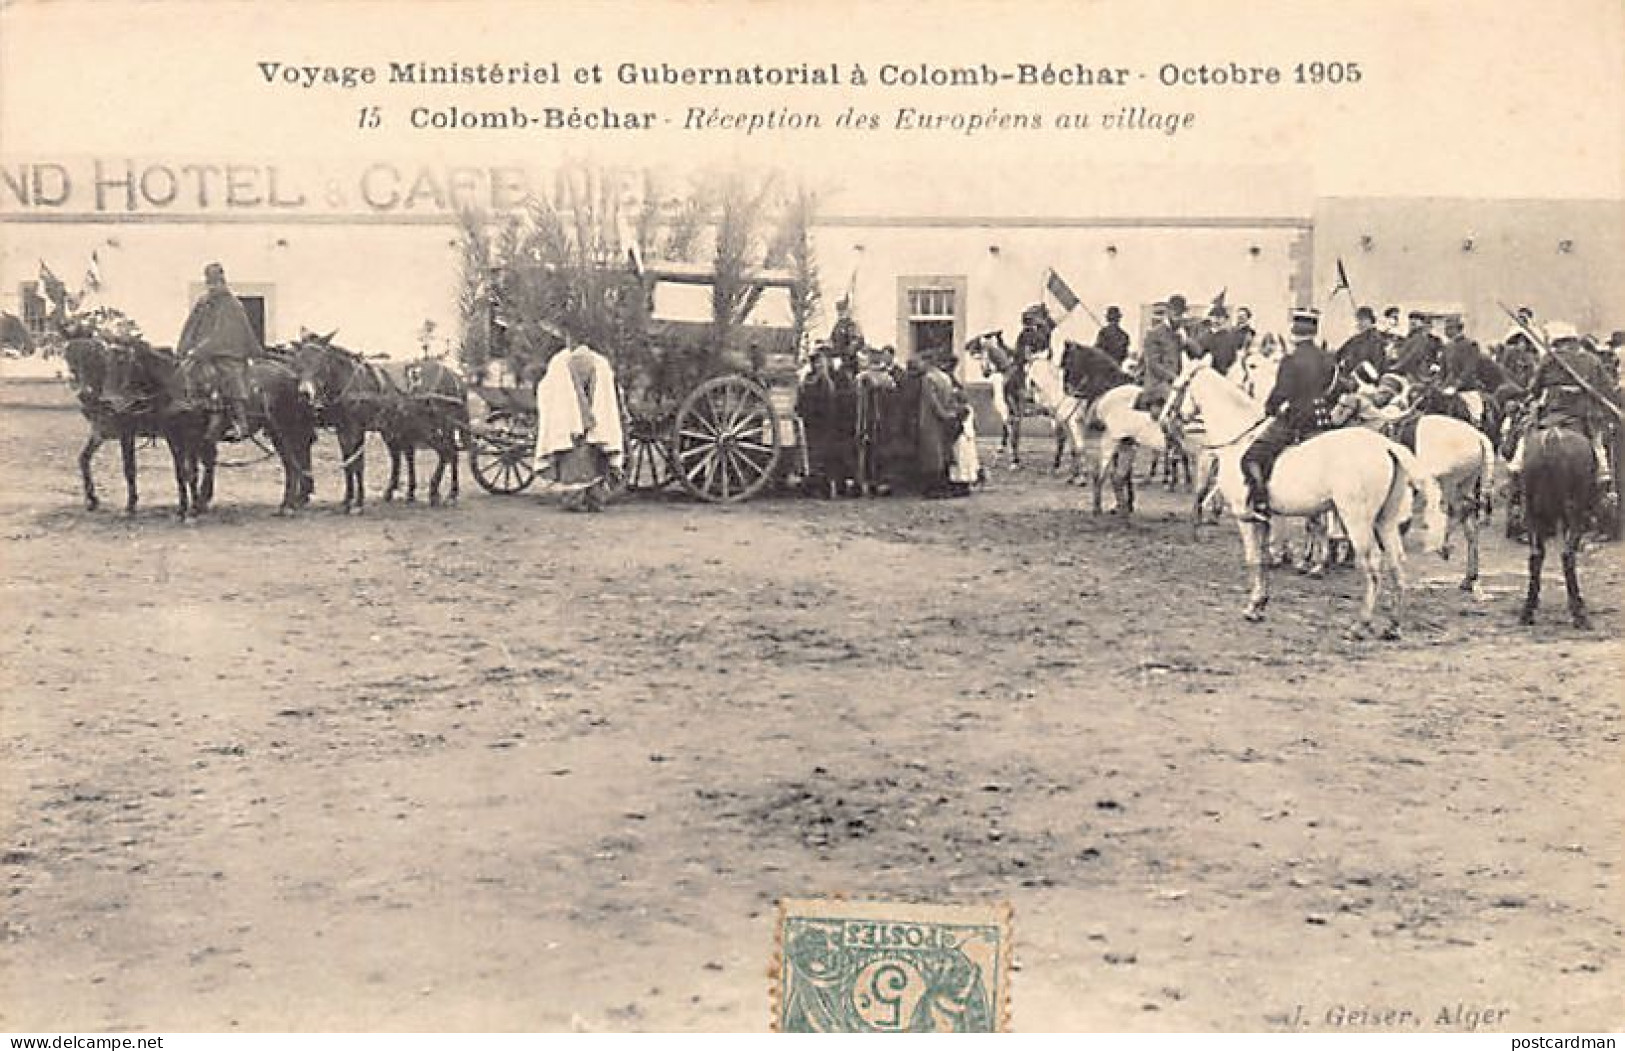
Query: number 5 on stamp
x,y
891,967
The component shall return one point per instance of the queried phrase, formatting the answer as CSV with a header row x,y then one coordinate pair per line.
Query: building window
x,y
930,304
931,315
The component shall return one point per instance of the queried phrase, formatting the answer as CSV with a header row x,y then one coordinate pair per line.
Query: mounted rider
x,y
1417,355
1160,359
1559,398
219,336
1367,346
1462,383
1297,408
1220,342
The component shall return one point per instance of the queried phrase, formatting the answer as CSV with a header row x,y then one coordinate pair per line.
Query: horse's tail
x,y
1408,475
1484,488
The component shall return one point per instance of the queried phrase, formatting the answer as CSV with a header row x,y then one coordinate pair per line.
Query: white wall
x,y
376,284
1150,264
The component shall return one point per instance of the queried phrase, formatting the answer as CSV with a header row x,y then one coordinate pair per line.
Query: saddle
x,y
1151,399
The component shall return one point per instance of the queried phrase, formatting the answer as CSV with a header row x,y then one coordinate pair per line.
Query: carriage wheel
x,y
500,458
726,445
648,464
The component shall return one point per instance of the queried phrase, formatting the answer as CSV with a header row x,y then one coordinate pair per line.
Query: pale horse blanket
x,y
578,417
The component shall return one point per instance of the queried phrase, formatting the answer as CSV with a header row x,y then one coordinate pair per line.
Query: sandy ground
x,y
499,767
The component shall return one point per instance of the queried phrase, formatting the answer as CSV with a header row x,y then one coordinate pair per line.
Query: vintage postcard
x,y
497,496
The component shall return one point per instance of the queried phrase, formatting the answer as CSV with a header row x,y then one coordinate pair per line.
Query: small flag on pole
x,y
849,297
93,274
1342,281
1056,288
49,287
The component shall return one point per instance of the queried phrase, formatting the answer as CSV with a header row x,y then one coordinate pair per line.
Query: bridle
x,y
331,357
1173,413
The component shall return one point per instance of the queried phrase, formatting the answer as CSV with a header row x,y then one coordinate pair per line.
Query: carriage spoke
x,y
759,466
743,425
698,436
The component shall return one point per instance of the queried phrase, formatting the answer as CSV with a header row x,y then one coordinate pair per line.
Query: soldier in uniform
x,y
1461,374
1558,399
1111,338
1366,346
1296,407
1417,355
1033,342
219,334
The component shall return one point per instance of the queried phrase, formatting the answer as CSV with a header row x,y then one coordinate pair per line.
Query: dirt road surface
x,y
500,767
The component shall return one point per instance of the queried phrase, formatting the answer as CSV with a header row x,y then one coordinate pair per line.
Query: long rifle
x,y
1537,340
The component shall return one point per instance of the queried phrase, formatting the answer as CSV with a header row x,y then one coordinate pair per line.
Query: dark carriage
x,y
708,408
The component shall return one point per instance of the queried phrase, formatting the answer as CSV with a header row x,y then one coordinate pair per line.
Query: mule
x,y
1126,430
1560,495
1363,477
419,403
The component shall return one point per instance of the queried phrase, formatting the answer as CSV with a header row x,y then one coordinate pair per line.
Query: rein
x,y
1177,400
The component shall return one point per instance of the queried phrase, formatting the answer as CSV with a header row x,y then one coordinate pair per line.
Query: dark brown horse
x,y
181,396
1560,495
117,407
408,405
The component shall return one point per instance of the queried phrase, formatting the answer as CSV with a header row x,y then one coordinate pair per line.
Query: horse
x,y
118,407
1126,428
186,400
1560,496
421,403
1457,456
272,408
154,377
1359,474
1008,383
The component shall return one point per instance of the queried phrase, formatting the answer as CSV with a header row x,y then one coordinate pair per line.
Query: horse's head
x,y
320,365
1182,406
984,350
87,367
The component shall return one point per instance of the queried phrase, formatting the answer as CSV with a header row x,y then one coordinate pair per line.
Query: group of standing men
x,y
873,425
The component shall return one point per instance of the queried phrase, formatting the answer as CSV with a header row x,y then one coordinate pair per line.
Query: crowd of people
x,y
1540,372
874,426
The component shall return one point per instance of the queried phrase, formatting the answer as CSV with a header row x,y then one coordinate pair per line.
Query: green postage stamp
x,y
891,967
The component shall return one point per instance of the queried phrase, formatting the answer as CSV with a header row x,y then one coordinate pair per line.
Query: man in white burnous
x,y
579,442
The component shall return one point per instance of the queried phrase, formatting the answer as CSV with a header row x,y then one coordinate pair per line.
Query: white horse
x,y
1126,427
1362,476
1457,456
